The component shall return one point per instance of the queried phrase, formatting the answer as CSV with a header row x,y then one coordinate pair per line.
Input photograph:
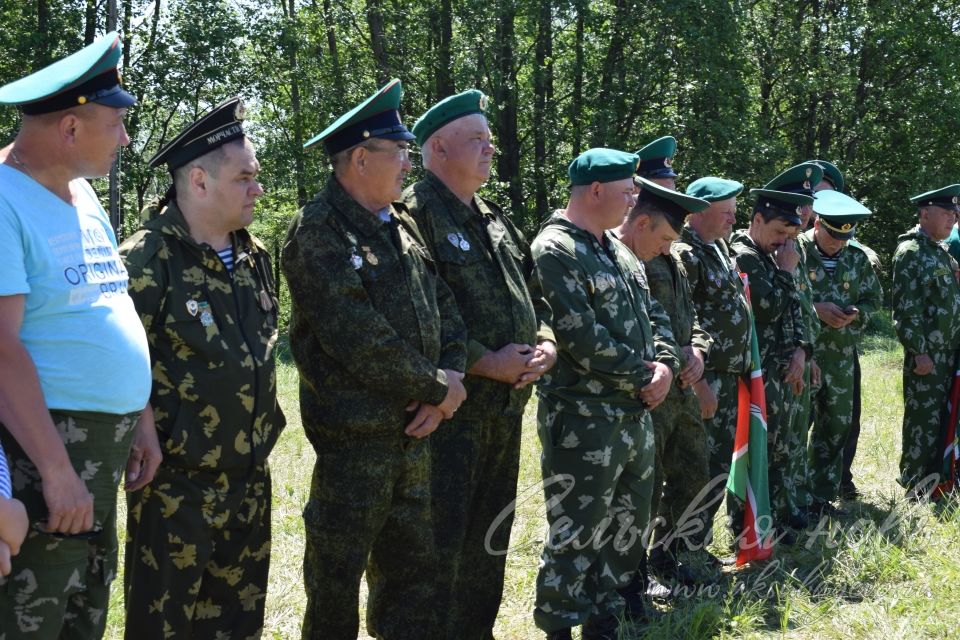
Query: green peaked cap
x,y
714,189
656,158
89,75
448,110
801,178
839,213
675,206
376,117
781,204
831,174
946,197
601,165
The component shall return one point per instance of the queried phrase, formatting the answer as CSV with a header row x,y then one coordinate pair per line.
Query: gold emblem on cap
x,y
81,99
845,227
806,183
366,134
809,172
799,209
482,103
668,162
846,285
955,200
239,111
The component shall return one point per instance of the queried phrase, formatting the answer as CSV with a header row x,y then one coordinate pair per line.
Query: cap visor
x,y
120,99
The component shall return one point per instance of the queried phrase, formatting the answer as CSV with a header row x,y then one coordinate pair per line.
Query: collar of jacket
x,y
359,219
460,211
172,223
562,222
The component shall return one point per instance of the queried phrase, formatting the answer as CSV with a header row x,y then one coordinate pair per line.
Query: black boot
x,y
562,634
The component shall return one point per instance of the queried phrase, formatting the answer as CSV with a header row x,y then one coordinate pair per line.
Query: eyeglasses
x,y
400,151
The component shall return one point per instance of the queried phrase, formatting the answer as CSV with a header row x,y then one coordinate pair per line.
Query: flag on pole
x,y
948,472
748,470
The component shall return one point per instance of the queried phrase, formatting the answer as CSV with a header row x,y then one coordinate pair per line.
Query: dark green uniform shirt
x,y
925,296
607,325
212,335
669,287
775,304
486,262
372,324
719,300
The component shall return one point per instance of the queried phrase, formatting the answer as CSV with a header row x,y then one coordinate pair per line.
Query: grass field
x,y
889,570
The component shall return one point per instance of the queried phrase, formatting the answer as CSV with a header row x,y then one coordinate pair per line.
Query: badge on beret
x,y
806,183
483,102
192,307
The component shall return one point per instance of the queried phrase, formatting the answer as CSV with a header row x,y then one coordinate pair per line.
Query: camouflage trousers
x,y
780,399
721,430
598,478
60,586
197,555
833,416
792,450
680,464
474,483
369,509
924,414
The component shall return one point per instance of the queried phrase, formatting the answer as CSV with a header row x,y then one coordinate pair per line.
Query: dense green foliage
x,y
747,87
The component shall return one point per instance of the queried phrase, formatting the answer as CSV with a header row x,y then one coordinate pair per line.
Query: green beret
x,y
781,204
601,165
674,205
839,213
448,110
714,189
947,197
89,75
376,117
831,174
656,158
801,178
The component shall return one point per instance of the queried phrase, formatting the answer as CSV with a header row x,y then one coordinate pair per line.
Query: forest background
x,y
748,88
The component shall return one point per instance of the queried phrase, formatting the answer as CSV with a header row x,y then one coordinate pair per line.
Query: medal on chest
x,y
457,240
368,254
355,261
206,315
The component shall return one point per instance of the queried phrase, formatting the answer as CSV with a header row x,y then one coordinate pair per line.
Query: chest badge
x,y
355,261
192,307
813,276
457,240
206,316
368,254
846,285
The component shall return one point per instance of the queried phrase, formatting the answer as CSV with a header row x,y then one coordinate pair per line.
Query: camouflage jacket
x,y
775,304
925,295
601,312
670,287
718,298
853,282
486,262
805,292
372,324
212,337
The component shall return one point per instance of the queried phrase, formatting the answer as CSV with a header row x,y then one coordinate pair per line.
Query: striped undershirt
x,y
5,489
226,256
829,262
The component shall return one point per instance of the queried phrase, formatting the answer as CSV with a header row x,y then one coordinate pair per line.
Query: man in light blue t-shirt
x,y
74,361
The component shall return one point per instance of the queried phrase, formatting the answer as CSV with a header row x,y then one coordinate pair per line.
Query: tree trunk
x,y
43,40
542,105
291,42
607,96
378,40
505,93
90,22
445,85
576,101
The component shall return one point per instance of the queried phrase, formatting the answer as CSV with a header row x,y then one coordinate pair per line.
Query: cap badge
x,y
483,102
81,99
239,111
806,183
366,134
668,162
809,172
955,200
845,227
